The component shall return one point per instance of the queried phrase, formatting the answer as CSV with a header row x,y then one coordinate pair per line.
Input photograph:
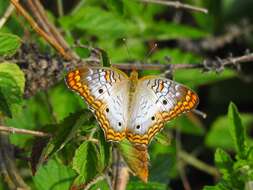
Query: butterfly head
x,y
134,75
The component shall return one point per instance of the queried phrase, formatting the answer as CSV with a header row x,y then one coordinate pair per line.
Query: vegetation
x,y
50,140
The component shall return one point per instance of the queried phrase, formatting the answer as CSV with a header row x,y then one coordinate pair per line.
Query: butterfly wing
x,y
156,101
105,91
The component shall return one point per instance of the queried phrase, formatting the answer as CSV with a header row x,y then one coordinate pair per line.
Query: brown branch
x,y
39,12
24,131
7,164
213,43
180,165
41,32
211,64
120,174
60,8
178,5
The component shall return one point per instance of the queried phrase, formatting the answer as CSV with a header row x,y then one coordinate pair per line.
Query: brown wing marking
x,y
74,82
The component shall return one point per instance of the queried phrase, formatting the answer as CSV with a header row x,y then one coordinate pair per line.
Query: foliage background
x,y
184,36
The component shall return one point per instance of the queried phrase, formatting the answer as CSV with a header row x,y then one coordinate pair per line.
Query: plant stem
x,y
60,8
178,5
24,131
191,160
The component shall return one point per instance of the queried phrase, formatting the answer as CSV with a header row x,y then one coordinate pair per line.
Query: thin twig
x,y
200,113
60,8
120,174
53,30
78,6
191,160
24,131
180,165
7,14
42,33
178,5
235,60
8,164
209,63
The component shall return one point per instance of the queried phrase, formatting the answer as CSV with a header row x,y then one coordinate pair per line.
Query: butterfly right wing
x,y
156,101
105,90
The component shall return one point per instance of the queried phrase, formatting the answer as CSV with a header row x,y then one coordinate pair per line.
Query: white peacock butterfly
x,y
128,107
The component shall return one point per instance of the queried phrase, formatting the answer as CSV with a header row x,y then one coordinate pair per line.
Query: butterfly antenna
x,y
150,52
133,68
127,49
200,113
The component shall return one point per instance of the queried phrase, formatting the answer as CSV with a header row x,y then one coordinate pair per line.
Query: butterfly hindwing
x,y
156,101
105,90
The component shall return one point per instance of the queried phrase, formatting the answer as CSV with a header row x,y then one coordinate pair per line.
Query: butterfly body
x,y
128,107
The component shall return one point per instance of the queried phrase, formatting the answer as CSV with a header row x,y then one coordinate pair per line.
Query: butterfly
x,y
129,107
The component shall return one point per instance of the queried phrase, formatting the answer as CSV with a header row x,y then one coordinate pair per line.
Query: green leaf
x,y
72,101
194,77
102,185
104,152
237,130
107,25
166,31
176,55
65,131
85,161
54,176
143,186
216,187
116,5
14,70
32,114
105,58
163,138
189,125
9,43
11,87
224,162
4,107
219,135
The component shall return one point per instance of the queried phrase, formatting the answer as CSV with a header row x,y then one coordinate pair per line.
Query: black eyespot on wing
x,y
119,123
107,110
165,102
138,127
100,91
153,118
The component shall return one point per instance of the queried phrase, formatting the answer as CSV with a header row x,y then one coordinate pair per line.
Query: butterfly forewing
x,y
106,92
156,101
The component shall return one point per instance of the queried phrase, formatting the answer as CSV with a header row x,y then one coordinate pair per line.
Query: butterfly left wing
x,y
105,91
156,101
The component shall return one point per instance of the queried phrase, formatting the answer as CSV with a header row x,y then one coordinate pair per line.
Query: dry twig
x,y
41,32
8,167
177,5
40,14
120,174
24,131
7,14
207,65
180,165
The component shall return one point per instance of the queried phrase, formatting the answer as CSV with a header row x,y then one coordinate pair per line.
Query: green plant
x,y
53,140
236,172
